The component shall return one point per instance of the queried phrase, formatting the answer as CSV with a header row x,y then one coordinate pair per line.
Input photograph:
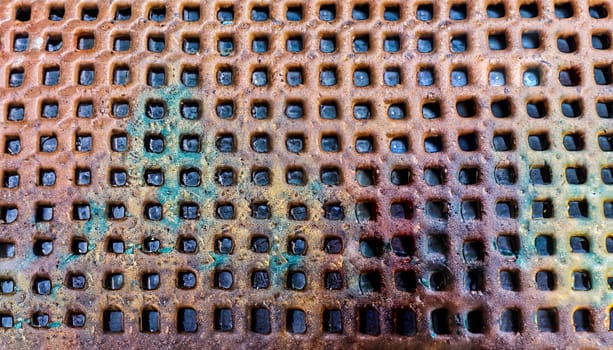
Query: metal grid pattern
x,y
330,173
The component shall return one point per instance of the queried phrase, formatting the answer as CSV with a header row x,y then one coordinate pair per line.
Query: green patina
x,y
166,250
54,324
172,157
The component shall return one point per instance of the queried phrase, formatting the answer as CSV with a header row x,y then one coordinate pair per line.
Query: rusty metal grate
x,y
306,173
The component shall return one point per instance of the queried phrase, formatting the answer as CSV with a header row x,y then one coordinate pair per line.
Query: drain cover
x,y
334,173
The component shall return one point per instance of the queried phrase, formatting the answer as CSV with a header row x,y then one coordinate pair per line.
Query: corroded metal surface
x,y
329,174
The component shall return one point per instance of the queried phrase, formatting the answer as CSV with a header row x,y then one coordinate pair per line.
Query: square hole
x,y
224,76
497,41
396,111
605,142
56,13
260,320
156,76
10,179
225,14
424,12
327,76
225,46
571,76
83,143
391,76
294,77
433,144
458,12
157,14
294,110
16,77
260,177
86,75
225,211
294,44
539,141
260,244
579,244
83,176
89,14
361,77
567,44
8,214
581,280
123,13
459,43
187,320
391,44
225,109
54,43
572,108
400,176
545,280
23,13
578,209
259,44
85,109
225,143
564,10
360,12
16,112
602,74
119,142
434,176
542,209
503,142
86,42
260,13
191,13
361,43
467,108
46,177
294,13
437,209
576,175
425,43
48,143
506,209
327,12
44,212
259,77
601,41
573,142
191,45
20,42
497,77
496,10
330,143
223,320
431,110
545,245
156,43
508,245
122,43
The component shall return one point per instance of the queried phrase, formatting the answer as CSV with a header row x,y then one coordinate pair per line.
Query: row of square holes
x,y
327,12
401,245
260,76
473,251
329,142
331,176
439,278
329,109
361,43
403,322
365,210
